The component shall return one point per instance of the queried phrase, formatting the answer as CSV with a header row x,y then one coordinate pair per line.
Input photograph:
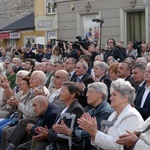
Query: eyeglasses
x,y
68,63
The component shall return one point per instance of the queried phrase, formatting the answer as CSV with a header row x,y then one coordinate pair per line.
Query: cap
x,y
28,45
40,46
48,46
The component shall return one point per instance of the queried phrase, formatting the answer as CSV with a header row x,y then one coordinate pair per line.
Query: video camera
x,y
84,43
137,45
60,43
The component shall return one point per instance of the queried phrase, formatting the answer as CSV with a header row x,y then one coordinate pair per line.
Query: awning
x,y
9,35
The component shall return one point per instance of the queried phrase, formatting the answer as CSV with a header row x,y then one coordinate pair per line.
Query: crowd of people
x,y
108,92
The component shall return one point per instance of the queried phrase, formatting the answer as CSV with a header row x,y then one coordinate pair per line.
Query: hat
x,y
40,46
28,45
48,46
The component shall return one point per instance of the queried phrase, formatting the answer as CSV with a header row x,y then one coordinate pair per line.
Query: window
x,y
136,26
50,9
29,39
51,35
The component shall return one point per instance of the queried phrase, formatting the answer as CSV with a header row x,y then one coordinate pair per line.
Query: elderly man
x,y
47,114
82,79
60,76
17,62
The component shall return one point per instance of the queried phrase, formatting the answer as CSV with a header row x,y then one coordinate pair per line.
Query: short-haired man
x,y
71,67
138,74
17,62
29,65
124,72
142,99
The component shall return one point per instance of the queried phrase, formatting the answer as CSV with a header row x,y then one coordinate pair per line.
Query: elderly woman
x,y
124,118
8,93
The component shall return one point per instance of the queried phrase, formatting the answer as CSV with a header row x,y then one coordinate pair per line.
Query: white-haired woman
x,y
124,118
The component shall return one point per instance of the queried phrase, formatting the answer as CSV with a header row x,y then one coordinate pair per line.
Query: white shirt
x,y
53,95
147,90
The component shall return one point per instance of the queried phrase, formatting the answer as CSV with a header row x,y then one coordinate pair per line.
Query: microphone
x,y
97,20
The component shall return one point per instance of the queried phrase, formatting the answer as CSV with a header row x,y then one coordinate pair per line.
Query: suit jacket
x,y
73,77
145,111
129,119
74,108
47,118
131,81
39,57
82,98
29,55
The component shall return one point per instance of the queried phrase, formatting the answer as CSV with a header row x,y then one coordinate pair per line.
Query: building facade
x,y
123,20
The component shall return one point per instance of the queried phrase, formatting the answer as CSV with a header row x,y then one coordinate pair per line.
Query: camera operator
x,y
91,51
71,51
112,50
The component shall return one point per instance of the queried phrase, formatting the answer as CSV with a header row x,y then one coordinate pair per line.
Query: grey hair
x,y
84,64
40,75
124,88
23,73
100,87
102,65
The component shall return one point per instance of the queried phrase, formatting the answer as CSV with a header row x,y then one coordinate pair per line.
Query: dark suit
x,y
49,79
29,55
82,98
39,57
19,68
73,77
47,119
145,111
62,144
131,81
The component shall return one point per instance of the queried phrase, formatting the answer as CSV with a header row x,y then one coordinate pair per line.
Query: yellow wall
x,y
39,7
20,42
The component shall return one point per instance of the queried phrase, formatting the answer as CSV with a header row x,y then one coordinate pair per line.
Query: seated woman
x,y
112,71
14,113
137,140
8,93
56,54
124,118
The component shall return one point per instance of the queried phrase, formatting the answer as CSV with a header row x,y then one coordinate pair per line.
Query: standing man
x,y
29,53
113,51
40,53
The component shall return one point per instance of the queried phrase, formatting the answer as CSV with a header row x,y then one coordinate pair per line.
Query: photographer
x,y
71,51
91,51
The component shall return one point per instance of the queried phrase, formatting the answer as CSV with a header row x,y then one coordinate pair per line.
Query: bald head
x,y
40,104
